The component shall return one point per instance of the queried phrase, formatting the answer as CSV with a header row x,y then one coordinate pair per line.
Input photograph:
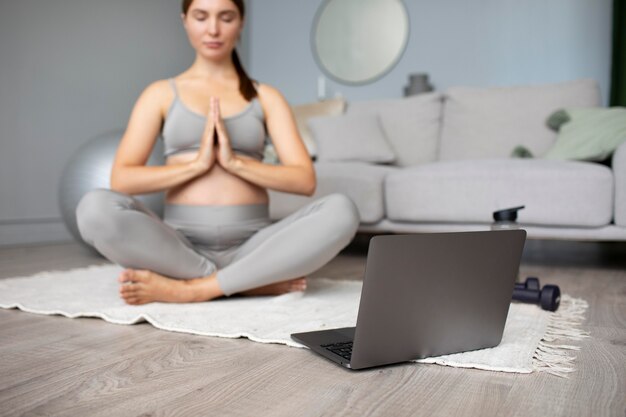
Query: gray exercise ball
x,y
90,168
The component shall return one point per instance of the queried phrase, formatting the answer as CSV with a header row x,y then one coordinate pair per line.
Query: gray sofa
x,y
453,166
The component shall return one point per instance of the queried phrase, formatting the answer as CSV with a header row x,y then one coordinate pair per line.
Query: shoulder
x,y
157,95
271,99
159,89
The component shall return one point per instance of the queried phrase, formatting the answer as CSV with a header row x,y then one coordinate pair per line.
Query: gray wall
x,y
70,70
457,42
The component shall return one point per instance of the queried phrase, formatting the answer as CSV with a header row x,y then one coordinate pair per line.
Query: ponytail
x,y
246,85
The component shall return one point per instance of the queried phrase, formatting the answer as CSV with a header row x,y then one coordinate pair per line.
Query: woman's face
x,y
213,27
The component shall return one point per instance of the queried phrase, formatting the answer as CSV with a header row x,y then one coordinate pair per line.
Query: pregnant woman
x,y
215,238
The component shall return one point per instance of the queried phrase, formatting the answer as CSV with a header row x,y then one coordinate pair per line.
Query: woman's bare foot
x,y
296,284
141,287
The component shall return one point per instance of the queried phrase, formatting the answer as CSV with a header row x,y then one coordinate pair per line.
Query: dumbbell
x,y
530,291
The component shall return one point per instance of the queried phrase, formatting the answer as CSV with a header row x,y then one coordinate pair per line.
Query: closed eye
x,y
228,16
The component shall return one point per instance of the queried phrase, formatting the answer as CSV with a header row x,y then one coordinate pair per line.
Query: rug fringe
x,y
551,355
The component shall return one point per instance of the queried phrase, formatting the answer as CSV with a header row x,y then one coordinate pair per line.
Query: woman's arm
x,y
296,173
129,174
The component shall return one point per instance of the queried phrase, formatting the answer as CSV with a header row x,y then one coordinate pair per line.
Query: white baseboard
x,y
23,232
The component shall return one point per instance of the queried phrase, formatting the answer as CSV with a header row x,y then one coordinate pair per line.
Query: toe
x,y
130,290
301,283
136,300
141,275
132,300
126,275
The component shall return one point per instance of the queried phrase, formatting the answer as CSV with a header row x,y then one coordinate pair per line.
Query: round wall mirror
x,y
358,41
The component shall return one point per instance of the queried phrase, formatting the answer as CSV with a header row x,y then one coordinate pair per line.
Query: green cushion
x,y
590,134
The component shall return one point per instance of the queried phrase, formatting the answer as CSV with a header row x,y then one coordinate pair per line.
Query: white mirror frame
x,y
346,47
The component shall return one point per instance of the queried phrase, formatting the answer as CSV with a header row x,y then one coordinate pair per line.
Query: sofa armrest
x,y
619,173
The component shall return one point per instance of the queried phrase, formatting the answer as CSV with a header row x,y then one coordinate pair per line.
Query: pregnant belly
x,y
215,187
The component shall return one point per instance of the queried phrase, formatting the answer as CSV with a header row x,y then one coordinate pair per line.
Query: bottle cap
x,y
507,215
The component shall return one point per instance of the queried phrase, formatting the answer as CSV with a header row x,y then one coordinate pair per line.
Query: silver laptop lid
x,y
435,293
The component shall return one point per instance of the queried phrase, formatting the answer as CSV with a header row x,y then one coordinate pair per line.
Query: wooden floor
x,y
51,365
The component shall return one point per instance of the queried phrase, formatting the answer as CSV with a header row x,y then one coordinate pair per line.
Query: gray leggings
x,y
239,242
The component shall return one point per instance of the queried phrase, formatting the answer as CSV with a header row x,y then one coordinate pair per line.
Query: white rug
x,y
533,338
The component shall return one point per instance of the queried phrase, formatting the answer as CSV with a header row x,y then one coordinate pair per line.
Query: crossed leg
x,y
264,265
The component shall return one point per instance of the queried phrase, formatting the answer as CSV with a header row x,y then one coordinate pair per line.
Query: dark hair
x,y
246,85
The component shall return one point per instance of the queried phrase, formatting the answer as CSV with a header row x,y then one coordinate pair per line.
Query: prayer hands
x,y
225,155
215,144
207,152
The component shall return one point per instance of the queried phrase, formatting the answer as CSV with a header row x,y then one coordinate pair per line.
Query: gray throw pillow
x,y
411,125
347,137
303,112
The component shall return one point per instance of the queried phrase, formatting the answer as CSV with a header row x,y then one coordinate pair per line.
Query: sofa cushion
x,y
362,182
491,122
555,193
303,112
412,125
351,138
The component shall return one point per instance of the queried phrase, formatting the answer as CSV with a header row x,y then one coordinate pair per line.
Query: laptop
x,y
427,294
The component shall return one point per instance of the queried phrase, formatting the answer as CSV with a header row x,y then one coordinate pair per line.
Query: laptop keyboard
x,y
343,349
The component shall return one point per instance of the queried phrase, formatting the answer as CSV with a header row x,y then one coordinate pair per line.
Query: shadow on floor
x,y
557,253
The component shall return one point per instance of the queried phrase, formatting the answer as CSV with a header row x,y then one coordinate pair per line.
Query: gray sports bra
x,y
183,129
